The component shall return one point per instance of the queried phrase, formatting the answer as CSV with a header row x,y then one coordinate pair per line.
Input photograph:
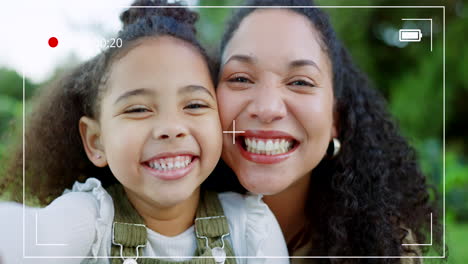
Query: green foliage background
x,y
410,77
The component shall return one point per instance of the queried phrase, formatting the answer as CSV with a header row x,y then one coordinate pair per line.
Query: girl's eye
x,y
239,79
136,110
301,83
195,106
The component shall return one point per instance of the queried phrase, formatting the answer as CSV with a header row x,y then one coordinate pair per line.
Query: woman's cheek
x,y
231,103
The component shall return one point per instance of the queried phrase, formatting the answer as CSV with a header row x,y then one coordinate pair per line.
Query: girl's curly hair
x,y
364,201
53,150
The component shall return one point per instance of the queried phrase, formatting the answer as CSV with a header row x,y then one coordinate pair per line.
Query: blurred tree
x,y
11,84
212,20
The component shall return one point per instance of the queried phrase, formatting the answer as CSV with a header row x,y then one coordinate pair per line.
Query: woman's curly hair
x,y
53,150
364,201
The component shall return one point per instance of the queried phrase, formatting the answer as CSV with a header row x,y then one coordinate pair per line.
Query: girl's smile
x,y
171,166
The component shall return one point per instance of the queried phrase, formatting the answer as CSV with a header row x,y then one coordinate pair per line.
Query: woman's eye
x,y
239,79
301,83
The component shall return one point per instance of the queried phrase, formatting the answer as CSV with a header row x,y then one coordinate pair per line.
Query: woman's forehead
x,y
276,35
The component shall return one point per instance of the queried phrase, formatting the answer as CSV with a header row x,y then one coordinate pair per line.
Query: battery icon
x,y
410,35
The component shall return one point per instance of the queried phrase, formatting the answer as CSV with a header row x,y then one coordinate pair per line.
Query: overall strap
x,y
212,229
129,234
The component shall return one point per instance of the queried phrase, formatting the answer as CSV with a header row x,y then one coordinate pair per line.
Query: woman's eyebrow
x,y
305,62
194,88
241,58
140,91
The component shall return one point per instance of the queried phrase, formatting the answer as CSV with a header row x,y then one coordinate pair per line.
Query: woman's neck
x,y
289,208
167,221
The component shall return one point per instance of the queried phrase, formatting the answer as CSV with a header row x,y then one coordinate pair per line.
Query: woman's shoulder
x,y
248,208
254,227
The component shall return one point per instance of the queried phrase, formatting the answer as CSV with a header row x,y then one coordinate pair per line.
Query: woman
x,y
291,86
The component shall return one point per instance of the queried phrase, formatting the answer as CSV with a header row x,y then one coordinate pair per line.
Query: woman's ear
x,y
334,130
90,132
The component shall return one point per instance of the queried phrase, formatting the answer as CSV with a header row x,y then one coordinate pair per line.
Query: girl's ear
x,y
90,132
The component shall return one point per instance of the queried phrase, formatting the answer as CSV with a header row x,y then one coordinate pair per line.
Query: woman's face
x,y
159,127
276,83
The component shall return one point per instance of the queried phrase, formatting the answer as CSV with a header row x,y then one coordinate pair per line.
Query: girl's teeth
x,y
268,146
170,163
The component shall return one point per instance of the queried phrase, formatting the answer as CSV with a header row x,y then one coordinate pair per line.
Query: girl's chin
x,y
169,198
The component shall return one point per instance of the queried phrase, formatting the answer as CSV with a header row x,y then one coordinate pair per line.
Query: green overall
x,y
129,234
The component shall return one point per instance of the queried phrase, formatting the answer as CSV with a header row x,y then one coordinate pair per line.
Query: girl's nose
x,y
170,128
268,105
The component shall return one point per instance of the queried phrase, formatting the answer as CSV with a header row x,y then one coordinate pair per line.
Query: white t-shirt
x,y
78,226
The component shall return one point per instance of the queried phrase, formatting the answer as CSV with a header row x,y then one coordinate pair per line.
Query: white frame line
x,y
290,257
430,19
233,132
443,128
274,7
24,166
422,244
44,244
249,257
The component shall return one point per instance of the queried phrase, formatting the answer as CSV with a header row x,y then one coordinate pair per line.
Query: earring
x,y
334,148
98,156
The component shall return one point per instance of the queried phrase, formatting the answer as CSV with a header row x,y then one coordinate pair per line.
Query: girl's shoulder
x,y
96,203
254,228
83,215
89,200
74,224
89,195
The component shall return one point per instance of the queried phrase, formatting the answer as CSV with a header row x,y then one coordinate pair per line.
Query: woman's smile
x,y
266,146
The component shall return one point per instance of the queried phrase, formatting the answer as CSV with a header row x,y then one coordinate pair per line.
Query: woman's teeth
x,y
173,163
268,146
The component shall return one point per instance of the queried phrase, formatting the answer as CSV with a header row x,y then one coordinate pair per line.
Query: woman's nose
x,y
267,105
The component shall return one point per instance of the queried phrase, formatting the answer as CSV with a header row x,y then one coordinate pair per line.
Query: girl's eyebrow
x,y
194,88
140,91
149,92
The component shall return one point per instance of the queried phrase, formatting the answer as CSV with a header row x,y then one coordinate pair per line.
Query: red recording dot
x,y
53,42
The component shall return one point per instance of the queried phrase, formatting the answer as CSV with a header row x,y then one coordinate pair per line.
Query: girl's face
x,y
159,129
276,83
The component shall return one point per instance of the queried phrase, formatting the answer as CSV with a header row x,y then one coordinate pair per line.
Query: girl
x,y
140,125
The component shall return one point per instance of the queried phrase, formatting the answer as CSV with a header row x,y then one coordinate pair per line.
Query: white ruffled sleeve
x,y
104,216
66,231
255,231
